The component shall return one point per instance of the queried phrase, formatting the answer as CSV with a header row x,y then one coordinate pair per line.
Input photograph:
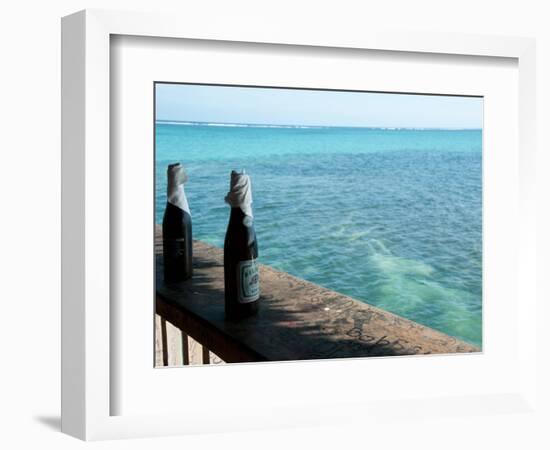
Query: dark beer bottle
x,y
240,251
177,236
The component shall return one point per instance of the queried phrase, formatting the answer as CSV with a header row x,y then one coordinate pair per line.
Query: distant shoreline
x,y
291,126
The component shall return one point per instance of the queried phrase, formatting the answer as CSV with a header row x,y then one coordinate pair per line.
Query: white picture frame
x,y
87,325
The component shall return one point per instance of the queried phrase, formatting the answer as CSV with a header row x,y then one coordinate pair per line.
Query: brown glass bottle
x,y
177,233
240,258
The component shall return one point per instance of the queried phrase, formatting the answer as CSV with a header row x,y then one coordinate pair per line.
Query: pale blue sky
x,y
227,104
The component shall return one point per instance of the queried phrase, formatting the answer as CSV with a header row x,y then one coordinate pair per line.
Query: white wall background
x,y
30,198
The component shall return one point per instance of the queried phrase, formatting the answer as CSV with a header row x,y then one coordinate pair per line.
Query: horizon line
x,y
278,125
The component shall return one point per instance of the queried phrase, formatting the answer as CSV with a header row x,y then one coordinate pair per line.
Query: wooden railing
x,y
297,320
173,347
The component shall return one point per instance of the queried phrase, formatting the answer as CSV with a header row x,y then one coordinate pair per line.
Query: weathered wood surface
x,y
297,320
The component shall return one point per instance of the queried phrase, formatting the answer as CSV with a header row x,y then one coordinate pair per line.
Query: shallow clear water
x,y
390,217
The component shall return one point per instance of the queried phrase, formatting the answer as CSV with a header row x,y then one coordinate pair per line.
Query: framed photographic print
x,y
361,199
270,219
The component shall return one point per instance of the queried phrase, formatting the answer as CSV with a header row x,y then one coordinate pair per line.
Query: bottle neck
x,y
236,214
238,217
240,193
176,196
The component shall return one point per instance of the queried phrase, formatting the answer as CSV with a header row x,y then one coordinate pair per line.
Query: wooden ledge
x,y
297,320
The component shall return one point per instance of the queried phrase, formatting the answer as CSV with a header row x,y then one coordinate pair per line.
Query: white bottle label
x,y
249,281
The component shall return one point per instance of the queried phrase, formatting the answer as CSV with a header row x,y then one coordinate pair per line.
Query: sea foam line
x,y
235,125
261,125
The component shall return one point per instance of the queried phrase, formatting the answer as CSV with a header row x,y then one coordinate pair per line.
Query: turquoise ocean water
x,y
391,217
